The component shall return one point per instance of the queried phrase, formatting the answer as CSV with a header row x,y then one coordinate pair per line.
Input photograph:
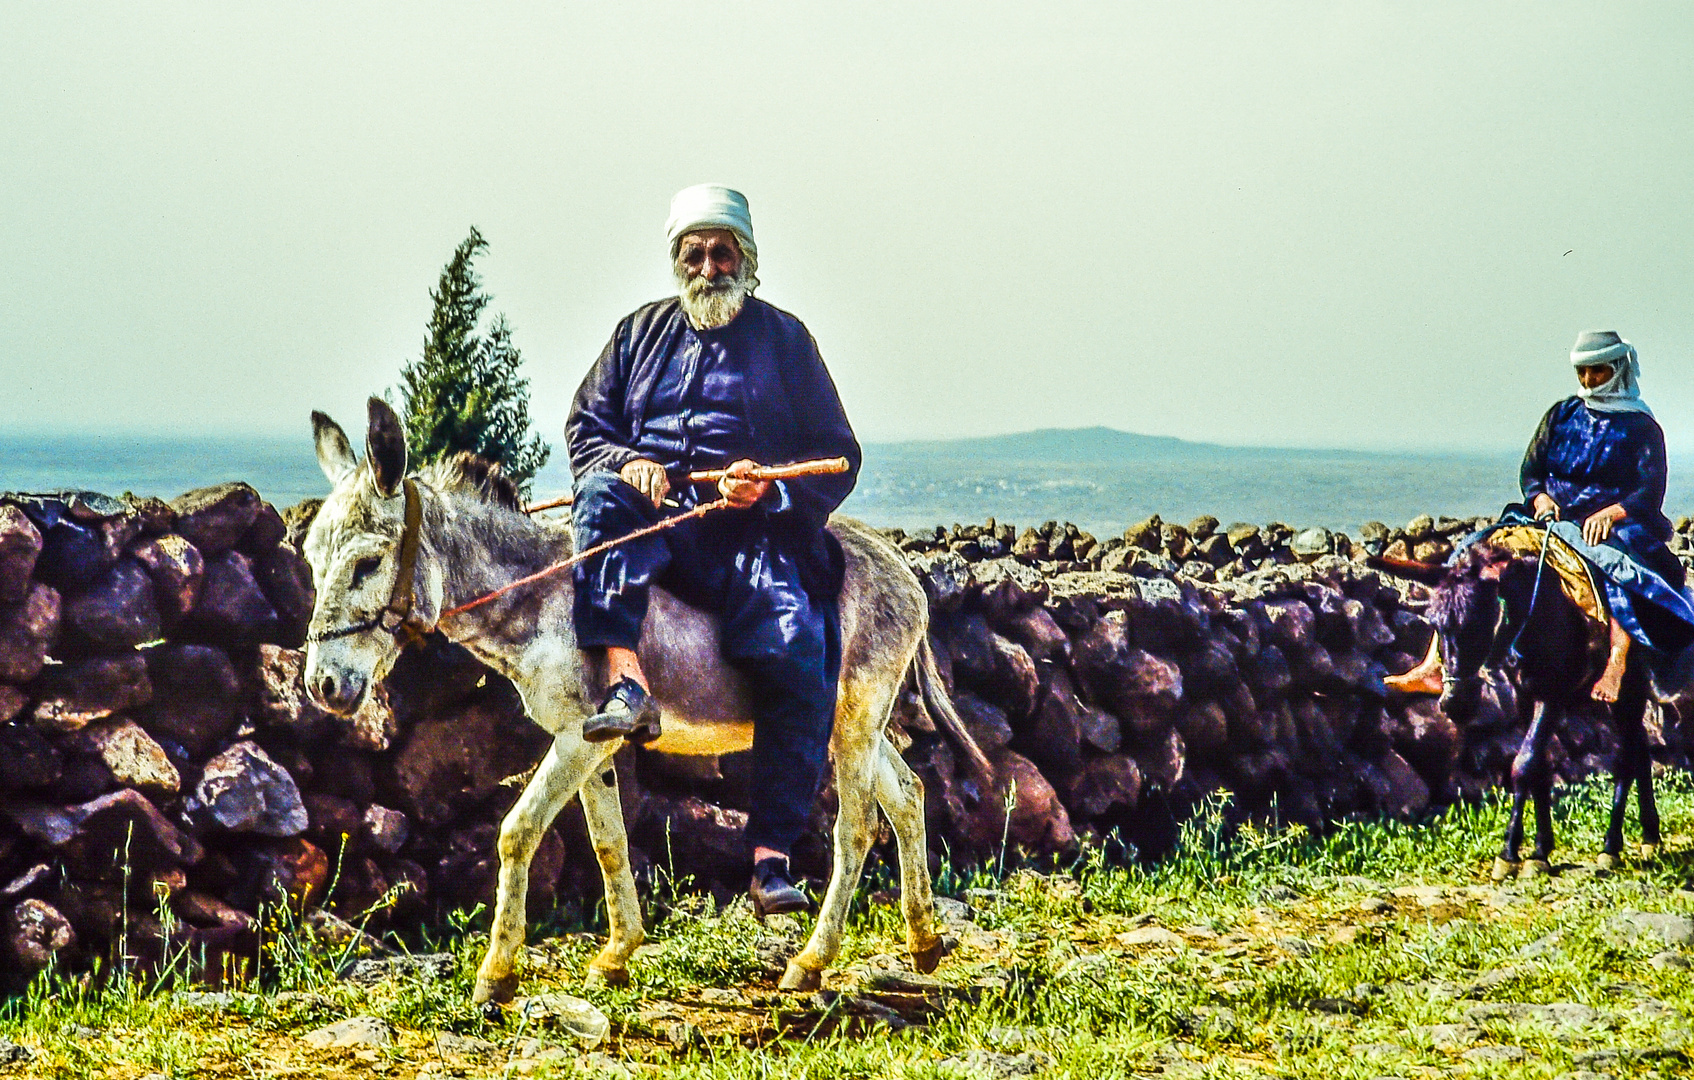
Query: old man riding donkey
x,y
752,620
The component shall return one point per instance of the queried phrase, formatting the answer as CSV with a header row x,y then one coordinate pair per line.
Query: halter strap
x,y
396,617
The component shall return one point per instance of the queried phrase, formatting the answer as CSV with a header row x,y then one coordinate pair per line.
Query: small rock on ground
x,y
429,967
585,1023
1493,1053
1645,926
990,1065
11,1052
1449,1036
354,1031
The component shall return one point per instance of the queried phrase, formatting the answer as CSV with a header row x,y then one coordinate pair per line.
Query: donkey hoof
x,y
1607,861
1503,870
1535,868
800,980
1649,851
607,976
928,958
499,991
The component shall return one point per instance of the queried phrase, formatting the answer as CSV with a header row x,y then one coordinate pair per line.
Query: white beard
x,y
711,304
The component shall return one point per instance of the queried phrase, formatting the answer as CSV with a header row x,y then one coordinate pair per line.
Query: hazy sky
x,y
1319,224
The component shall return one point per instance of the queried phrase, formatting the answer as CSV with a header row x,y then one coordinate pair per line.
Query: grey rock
x,y
1560,1014
1493,1053
945,577
1448,1036
425,967
355,1031
1643,927
244,790
1308,545
448,1042
993,1065
580,1019
1667,959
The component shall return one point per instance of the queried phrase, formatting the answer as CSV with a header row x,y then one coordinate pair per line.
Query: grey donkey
x,y
472,538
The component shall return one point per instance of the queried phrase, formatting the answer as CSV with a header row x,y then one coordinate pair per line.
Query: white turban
x,y
1620,393
710,206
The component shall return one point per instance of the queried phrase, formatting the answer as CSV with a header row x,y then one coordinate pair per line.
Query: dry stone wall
x,y
164,780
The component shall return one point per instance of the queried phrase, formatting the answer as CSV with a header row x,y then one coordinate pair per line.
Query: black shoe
x,y
773,889
629,712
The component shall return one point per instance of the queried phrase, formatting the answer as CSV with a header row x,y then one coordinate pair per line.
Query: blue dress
x,y
1586,461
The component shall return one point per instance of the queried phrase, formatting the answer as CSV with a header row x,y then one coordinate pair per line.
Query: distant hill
x,y
1102,445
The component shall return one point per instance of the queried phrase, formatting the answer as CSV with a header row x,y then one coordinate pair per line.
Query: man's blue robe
x,y
701,399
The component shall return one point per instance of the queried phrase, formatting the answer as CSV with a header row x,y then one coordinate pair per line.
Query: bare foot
x,y
1423,679
1606,687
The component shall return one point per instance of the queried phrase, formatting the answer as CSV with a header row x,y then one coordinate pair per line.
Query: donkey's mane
x,y
1456,594
471,474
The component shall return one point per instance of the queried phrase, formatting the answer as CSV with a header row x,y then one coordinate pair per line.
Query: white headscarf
x,y
710,206
1621,393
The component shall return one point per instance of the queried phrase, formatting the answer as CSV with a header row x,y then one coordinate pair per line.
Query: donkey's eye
x,y
363,569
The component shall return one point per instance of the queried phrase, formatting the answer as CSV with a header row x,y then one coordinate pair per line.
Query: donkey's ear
x,y
385,447
1412,570
335,453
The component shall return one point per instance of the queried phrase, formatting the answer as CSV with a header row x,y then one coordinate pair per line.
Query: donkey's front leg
x,y
604,810
568,762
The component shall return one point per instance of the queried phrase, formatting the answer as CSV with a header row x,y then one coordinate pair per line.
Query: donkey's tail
x,y
933,693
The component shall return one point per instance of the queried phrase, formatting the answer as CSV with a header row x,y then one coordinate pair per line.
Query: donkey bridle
x,y
396,617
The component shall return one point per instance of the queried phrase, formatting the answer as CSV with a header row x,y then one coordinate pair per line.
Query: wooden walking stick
x,y
817,467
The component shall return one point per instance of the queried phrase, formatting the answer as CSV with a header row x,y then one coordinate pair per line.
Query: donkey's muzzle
x,y
338,695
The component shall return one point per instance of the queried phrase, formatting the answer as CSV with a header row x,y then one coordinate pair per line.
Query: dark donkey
x,y
1491,613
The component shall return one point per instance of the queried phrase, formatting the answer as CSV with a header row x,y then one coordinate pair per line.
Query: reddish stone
x,y
985,722
1291,623
244,790
1163,762
214,519
12,701
1115,672
993,666
704,840
1038,633
85,777
451,763
129,754
286,580
374,727
294,872
232,609
1399,790
20,545
176,568
204,909
1204,727
282,694
117,611
124,823
73,695
27,631
38,875
1039,822
195,692
332,820
1104,784
33,932
265,533
1426,737
387,830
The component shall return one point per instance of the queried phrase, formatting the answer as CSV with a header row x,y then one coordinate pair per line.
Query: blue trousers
x,y
727,563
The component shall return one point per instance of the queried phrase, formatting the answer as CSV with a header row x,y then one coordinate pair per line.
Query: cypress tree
x,y
465,392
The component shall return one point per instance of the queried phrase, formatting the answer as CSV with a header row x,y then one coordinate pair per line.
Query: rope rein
x,y
668,523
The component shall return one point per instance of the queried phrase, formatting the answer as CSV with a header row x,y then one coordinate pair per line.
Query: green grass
x,y
1281,973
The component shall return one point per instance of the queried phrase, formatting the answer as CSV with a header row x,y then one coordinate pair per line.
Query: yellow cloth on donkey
x,y
1576,577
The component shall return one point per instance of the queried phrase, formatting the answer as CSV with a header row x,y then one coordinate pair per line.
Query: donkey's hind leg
x,y
568,762
855,755
900,792
1632,746
604,811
